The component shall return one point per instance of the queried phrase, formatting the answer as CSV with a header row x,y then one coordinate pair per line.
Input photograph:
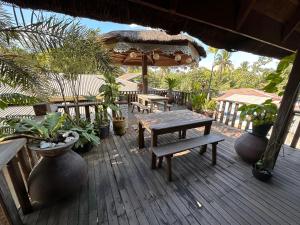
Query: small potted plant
x,y
119,122
260,172
102,121
198,101
209,107
171,82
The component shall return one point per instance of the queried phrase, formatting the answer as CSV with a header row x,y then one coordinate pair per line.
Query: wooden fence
x,y
228,114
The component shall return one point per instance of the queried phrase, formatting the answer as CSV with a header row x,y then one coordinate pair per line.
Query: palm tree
x,y
223,61
18,41
214,51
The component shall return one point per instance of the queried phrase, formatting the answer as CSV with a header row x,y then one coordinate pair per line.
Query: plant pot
x,y
41,109
250,147
59,174
104,131
260,174
209,113
189,106
85,148
170,98
119,126
261,130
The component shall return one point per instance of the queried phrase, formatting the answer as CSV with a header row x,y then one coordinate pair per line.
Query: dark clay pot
x,y
261,130
189,106
85,148
250,147
170,98
119,126
209,113
41,109
104,131
59,174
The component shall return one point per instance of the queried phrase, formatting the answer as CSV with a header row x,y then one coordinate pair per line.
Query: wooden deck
x,y
122,189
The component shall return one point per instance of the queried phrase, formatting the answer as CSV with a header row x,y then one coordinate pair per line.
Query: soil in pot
x,y
119,126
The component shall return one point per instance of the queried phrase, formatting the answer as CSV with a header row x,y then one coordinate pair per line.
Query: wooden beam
x,y
144,74
285,114
244,10
173,5
291,25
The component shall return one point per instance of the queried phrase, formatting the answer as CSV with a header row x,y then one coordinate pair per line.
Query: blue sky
x,y
237,57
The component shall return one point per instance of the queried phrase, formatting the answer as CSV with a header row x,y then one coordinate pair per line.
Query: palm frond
x,y
16,99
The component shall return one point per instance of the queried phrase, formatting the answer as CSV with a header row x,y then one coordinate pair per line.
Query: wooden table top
x,y
152,97
170,119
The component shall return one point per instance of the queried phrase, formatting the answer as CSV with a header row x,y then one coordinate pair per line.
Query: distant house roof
x,y
248,95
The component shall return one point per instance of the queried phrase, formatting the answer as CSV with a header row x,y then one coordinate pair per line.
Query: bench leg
x,y
180,134
206,131
141,136
169,167
132,108
153,162
160,161
214,153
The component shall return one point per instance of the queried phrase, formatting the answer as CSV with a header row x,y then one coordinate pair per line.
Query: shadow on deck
x,y
122,189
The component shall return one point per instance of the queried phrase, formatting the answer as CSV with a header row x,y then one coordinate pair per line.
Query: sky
x,y
237,57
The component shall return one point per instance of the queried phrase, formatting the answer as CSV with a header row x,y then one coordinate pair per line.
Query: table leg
x,y
153,144
206,131
165,106
141,136
151,106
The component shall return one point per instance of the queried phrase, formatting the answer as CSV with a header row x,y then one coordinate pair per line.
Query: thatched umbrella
x,y
154,48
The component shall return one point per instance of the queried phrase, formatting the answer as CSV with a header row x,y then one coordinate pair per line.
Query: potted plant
x,y
60,172
209,107
251,145
171,83
102,121
260,172
119,122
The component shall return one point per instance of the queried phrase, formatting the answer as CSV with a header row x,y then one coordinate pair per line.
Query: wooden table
x,y
151,98
172,121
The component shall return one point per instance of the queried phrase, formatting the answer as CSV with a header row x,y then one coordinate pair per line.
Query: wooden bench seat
x,y
168,150
139,107
163,104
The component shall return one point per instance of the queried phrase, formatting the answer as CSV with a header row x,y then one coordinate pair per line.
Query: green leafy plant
x,y
85,129
48,129
198,102
210,105
171,82
259,114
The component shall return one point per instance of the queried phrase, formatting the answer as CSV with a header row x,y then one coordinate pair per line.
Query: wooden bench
x,y
139,107
168,150
163,104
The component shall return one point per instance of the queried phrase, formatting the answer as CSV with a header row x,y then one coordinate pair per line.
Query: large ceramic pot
x,y
59,174
104,131
119,126
170,98
41,109
250,147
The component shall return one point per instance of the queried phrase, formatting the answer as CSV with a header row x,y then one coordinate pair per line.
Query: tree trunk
x,y
284,117
144,74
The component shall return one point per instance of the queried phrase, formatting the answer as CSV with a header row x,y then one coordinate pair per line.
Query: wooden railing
x,y
16,163
228,114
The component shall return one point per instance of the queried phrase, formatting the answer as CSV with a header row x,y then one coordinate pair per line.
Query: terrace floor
x,y
122,189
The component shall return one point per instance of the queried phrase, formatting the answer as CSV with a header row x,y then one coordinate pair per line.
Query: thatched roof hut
x,y
149,42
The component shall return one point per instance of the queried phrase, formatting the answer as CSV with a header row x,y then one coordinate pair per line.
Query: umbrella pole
x,y
144,74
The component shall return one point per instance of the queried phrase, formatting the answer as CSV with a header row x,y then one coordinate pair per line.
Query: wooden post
x,y
144,74
285,114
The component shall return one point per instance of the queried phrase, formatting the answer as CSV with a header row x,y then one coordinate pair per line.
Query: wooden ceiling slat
x,y
245,8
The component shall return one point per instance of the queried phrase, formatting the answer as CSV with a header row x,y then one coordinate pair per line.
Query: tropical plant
x,y
210,105
264,113
171,83
49,129
85,129
18,40
198,101
223,61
